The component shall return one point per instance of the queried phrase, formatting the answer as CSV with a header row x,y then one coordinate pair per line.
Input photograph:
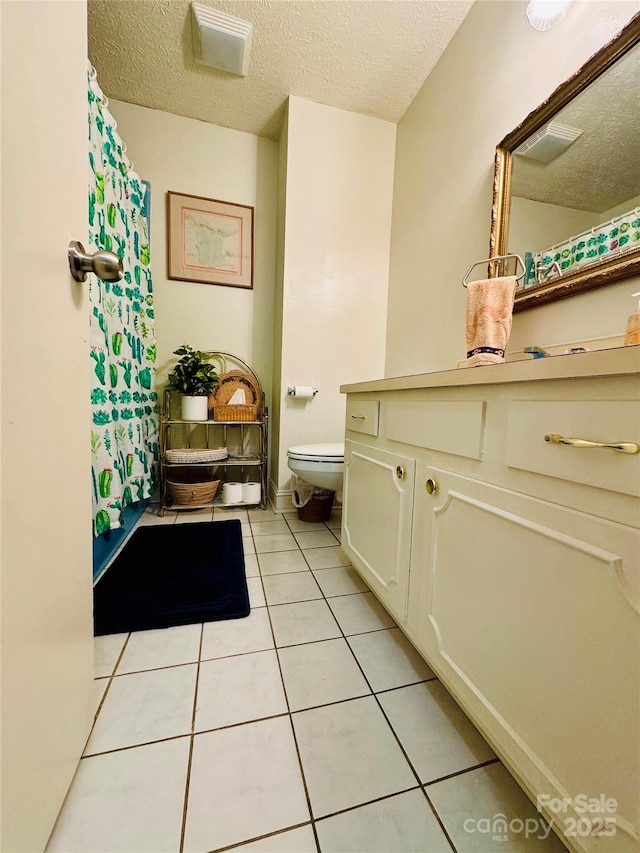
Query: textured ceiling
x,y
367,56
602,168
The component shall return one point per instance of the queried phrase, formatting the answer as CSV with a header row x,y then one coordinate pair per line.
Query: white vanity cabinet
x,y
523,578
526,612
377,518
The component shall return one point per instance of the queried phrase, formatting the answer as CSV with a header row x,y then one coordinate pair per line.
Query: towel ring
x,y
492,260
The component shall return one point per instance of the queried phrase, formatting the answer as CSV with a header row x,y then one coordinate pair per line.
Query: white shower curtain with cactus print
x,y
124,402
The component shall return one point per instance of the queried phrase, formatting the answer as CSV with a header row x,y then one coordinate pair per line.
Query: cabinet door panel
x,y
531,612
377,516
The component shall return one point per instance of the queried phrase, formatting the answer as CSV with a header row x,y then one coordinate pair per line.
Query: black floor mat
x,y
174,574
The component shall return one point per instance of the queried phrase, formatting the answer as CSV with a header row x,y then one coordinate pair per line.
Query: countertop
x,y
620,361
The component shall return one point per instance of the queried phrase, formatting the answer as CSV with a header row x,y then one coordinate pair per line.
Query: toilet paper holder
x,y
302,391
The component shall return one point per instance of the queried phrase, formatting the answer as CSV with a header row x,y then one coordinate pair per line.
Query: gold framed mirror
x,y
566,195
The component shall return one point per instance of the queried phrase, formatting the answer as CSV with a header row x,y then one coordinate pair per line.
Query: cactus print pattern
x,y
124,402
607,240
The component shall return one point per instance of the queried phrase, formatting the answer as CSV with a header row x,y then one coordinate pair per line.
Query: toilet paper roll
x,y
304,391
251,493
232,493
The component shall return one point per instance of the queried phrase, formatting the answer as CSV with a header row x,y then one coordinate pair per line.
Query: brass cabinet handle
x,y
400,472
431,486
621,446
359,417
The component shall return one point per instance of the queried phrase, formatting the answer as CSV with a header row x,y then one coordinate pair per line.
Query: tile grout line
x,y
369,802
183,826
274,834
291,713
222,728
439,819
404,752
107,689
486,763
137,745
286,698
264,592
415,774
422,786
95,719
413,770
269,716
372,693
344,637
82,755
293,732
157,668
329,704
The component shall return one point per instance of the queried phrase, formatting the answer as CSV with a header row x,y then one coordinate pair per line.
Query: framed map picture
x,y
209,241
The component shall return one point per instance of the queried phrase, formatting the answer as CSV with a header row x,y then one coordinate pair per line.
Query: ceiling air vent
x,y
221,41
548,143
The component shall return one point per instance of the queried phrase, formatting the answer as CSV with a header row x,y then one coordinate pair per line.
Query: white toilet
x,y
321,465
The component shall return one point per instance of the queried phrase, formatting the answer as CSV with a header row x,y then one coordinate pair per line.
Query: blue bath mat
x,y
174,574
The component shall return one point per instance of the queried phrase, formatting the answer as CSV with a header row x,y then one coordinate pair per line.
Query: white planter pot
x,y
195,408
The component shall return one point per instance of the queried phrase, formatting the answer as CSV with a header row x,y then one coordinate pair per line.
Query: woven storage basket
x,y
190,488
188,454
229,384
318,507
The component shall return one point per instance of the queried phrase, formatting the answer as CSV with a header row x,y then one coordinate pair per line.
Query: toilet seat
x,y
317,452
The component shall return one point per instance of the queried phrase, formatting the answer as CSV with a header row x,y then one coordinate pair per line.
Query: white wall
x,y
494,72
535,225
623,207
339,183
276,402
193,157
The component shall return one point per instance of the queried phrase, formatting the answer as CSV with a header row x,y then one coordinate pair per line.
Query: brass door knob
x,y
431,486
400,472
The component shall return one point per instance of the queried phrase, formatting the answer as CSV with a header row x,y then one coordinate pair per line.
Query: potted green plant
x,y
195,378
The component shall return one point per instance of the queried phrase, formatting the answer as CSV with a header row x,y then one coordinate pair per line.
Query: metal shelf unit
x,y
246,442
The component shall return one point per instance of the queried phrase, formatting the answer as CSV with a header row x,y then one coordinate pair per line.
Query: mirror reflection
x,y
575,185
567,181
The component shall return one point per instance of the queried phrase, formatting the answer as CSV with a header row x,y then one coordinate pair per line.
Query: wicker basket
x,y
318,508
229,384
191,488
194,455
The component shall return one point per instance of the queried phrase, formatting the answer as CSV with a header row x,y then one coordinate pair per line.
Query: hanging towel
x,y
489,317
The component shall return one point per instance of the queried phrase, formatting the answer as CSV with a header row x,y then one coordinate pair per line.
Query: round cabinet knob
x,y
431,486
400,472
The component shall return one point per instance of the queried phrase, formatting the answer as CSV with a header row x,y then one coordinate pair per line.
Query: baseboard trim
x,y
279,499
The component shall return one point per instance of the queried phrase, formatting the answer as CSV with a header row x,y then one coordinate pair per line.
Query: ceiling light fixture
x,y
221,41
544,14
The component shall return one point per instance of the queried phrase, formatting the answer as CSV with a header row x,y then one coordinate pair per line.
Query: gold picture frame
x,y
209,241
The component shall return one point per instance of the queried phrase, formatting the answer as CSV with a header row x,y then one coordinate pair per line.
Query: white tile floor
x,y
311,725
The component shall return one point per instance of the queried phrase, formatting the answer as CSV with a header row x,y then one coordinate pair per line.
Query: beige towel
x,y
489,316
